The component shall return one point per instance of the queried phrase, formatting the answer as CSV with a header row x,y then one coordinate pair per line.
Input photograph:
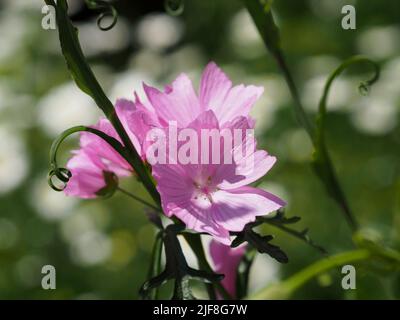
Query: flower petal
x,y
226,261
238,102
178,199
177,103
102,152
233,209
87,178
214,87
247,171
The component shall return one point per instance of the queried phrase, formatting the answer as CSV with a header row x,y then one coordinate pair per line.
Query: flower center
x,y
204,190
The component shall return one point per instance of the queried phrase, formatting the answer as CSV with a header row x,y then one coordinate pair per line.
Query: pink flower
x,y
96,157
226,261
180,103
212,198
215,198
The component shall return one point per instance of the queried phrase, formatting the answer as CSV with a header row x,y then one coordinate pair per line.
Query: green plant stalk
x,y
155,263
194,241
260,11
321,160
87,82
368,250
323,102
138,199
286,288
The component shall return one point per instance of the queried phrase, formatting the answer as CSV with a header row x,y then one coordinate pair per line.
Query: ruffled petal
x,y
177,103
214,86
238,102
87,178
233,209
217,94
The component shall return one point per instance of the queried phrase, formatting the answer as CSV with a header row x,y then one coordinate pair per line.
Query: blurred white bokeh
x,y
49,204
13,30
126,83
320,65
95,41
245,38
374,116
24,4
14,163
188,59
66,106
158,31
342,93
91,248
380,42
276,189
274,97
264,271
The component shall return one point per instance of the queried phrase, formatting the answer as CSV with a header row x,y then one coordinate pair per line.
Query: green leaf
x,y
281,222
261,243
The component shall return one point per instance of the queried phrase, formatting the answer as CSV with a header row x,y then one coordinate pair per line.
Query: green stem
x,y
65,134
194,241
321,160
301,116
330,179
346,64
155,263
261,14
286,288
142,201
369,249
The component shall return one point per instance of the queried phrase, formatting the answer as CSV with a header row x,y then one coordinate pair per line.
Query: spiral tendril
x,y
63,174
363,88
108,10
174,7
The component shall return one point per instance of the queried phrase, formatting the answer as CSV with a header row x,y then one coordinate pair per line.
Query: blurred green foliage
x,y
101,248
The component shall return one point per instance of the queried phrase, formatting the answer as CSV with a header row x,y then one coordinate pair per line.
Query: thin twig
x,y
129,194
